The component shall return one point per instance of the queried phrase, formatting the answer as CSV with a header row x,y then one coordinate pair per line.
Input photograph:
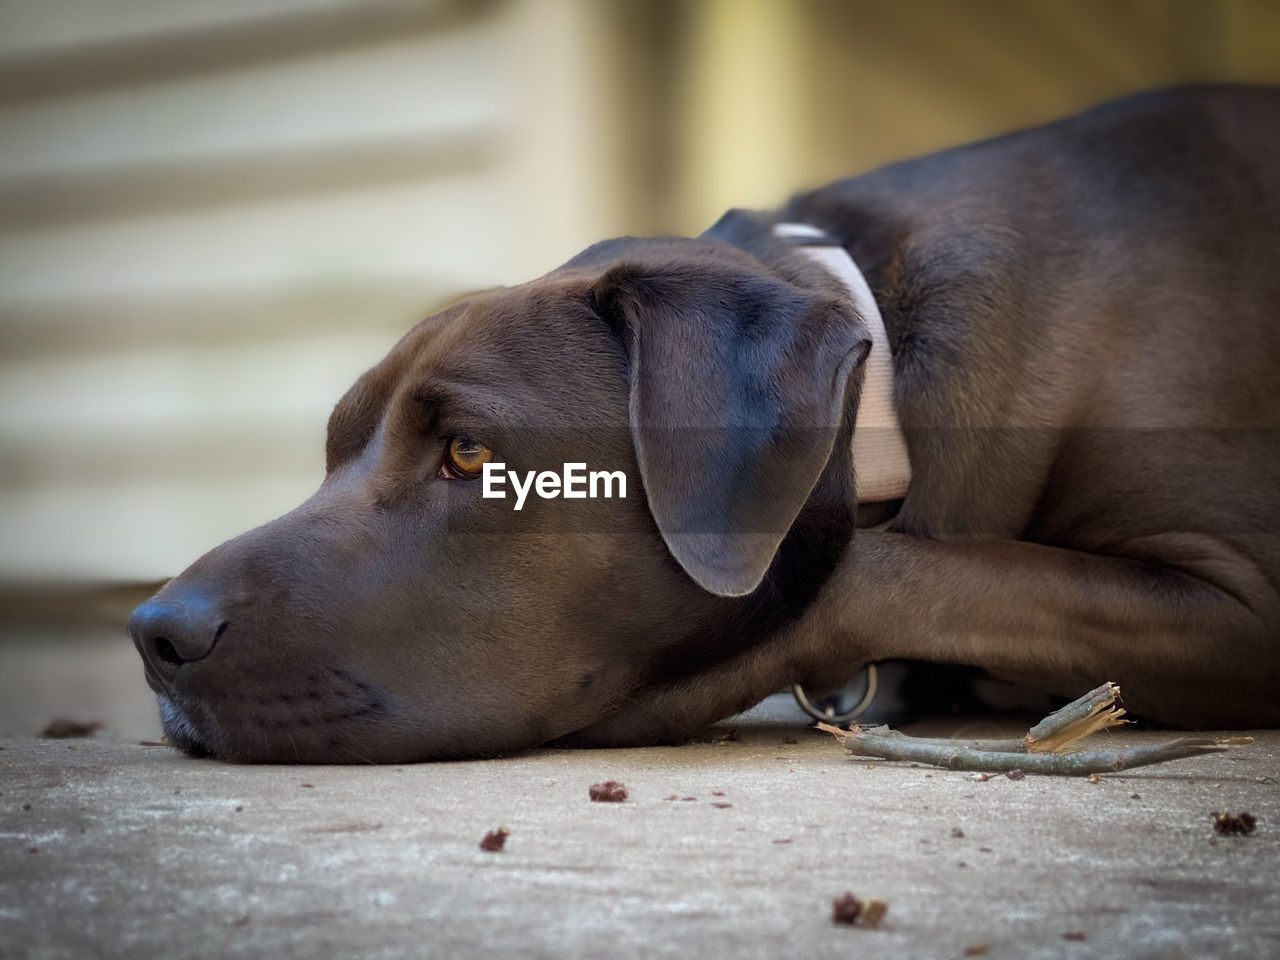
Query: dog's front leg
x,y
1184,623
1192,649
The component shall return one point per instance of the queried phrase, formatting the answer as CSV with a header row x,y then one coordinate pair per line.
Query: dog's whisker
x,y
360,757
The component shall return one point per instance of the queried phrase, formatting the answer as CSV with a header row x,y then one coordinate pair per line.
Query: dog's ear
x,y
738,381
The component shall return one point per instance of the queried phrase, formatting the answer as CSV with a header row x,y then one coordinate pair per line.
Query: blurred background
x,y
215,215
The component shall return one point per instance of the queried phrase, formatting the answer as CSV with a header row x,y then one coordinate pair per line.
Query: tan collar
x,y
880,462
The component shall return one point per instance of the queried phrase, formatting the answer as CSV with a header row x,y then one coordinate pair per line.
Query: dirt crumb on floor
x,y
611,791
1234,824
63,729
495,840
865,912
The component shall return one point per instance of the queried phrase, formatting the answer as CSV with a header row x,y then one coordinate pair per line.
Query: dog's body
x,y
1085,325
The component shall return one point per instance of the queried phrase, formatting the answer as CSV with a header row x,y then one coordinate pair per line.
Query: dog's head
x,y
400,614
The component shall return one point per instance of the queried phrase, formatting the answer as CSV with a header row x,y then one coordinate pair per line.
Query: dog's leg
x,y
1188,631
1189,649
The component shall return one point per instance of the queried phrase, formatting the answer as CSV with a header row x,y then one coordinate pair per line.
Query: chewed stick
x,y
1051,747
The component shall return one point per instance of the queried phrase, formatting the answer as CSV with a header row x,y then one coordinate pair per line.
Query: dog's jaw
x,y
276,720
179,730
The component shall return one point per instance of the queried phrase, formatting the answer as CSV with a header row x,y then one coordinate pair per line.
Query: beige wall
x,y
213,216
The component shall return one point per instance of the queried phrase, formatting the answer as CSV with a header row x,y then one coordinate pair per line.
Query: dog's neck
x,y
880,463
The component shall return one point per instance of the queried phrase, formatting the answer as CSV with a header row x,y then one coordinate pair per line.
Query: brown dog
x,y
1085,330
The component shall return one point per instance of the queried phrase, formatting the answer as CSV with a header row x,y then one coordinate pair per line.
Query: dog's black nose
x,y
171,631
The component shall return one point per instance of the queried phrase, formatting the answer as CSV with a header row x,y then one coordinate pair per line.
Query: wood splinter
x,y
1052,746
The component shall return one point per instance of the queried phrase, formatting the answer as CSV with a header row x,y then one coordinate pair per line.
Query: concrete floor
x,y
110,848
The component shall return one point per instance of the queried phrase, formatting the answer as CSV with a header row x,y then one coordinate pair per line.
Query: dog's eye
x,y
465,458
